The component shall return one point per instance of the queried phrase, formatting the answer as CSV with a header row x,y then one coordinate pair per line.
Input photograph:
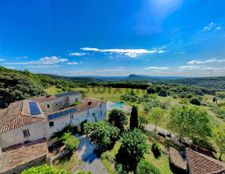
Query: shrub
x,y
108,156
146,168
162,93
82,172
118,118
70,141
132,149
156,150
195,101
44,169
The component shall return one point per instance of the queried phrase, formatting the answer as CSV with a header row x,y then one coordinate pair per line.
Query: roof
x,y
17,115
22,154
44,98
176,159
67,94
202,164
84,105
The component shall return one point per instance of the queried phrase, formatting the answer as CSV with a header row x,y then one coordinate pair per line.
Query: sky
x,y
114,37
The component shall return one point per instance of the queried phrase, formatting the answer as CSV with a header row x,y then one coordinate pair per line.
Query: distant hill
x,y
208,82
151,78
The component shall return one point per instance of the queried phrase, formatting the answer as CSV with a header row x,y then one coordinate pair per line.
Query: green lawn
x,y
162,163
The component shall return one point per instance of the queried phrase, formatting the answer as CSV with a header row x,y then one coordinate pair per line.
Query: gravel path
x,y
85,152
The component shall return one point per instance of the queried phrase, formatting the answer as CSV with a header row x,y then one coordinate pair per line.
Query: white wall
x,y
13,137
78,118
40,130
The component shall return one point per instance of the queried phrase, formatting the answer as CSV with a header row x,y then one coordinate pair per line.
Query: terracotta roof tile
x,y
22,154
13,118
202,164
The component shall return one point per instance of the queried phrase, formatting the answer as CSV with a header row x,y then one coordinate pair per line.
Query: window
x,y
26,133
71,116
51,124
48,106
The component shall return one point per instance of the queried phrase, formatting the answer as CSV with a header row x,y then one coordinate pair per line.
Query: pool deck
x,y
117,105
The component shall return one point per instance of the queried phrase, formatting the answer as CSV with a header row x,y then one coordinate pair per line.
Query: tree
x,y
214,99
162,93
44,169
191,122
156,150
132,149
156,115
151,90
145,167
70,141
102,134
134,118
195,101
219,135
118,118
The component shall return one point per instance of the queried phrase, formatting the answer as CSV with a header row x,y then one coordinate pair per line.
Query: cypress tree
x,y
134,118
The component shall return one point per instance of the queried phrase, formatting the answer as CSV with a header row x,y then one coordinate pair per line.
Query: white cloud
x,y
132,53
51,60
213,60
2,60
72,63
156,68
210,27
77,54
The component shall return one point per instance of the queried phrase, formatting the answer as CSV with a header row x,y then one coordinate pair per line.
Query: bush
x,y
70,141
118,118
132,149
195,101
156,150
162,93
108,156
146,168
44,169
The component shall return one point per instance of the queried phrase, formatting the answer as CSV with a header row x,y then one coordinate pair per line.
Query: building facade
x,y
28,121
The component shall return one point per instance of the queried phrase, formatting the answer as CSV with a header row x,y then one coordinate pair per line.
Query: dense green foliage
x,y
18,85
191,122
156,150
118,119
132,149
44,169
70,141
102,134
220,140
156,115
145,167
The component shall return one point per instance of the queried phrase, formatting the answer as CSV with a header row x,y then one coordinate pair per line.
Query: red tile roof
x,y
22,154
13,117
202,164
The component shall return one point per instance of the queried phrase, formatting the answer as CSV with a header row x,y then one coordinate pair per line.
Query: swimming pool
x,y
118,105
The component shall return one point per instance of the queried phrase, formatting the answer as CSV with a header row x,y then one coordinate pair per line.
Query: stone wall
x,y
15,136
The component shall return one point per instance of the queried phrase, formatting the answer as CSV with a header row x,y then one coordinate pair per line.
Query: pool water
x,y
118,105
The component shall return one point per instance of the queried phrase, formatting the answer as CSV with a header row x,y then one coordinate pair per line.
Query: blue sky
x,y
114,37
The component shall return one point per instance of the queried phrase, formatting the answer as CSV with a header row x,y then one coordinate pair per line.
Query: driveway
x,y
85,152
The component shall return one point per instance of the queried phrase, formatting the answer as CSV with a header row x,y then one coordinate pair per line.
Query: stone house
x,y
26,123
